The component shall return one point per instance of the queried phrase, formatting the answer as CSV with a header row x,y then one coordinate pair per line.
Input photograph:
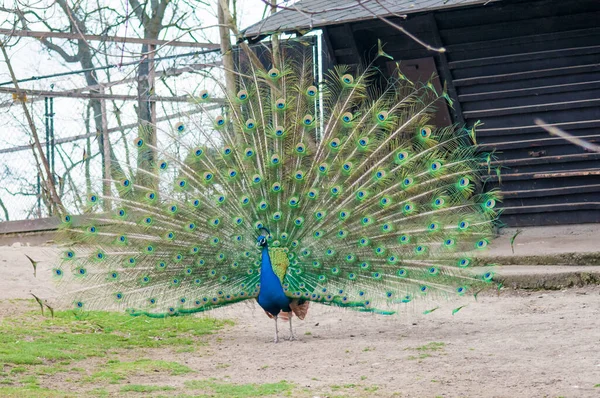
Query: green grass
x,y
142,388
218,389
32,392
115,371
32,339
433,346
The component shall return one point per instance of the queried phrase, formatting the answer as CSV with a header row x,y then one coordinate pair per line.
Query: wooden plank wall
x,y
524,60
508,63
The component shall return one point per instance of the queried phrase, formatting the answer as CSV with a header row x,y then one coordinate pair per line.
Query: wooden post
x,y
106,175
152,105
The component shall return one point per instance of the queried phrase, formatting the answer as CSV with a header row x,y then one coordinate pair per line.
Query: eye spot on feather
x,y
401,156
204,95
274,73
242,95
311,91
382,116
279,132
219,120
198,152
280,104
425,132
308,120
347,79
402,273
250,124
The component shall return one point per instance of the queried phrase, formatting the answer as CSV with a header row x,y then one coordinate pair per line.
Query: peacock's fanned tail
x,y
374,206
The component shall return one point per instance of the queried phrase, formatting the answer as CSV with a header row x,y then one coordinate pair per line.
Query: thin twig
x,y
569,137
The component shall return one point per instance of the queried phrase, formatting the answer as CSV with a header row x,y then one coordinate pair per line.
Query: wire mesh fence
x,y
72,126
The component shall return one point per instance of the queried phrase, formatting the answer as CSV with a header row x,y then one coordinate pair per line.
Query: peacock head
x,y
263,235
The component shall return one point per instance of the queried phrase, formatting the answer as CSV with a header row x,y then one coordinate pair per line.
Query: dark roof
x,y
308,14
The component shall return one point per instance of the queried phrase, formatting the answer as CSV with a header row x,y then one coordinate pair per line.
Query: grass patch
x,y
433,346
32,392
421,356
114,372
426,350
31,339
226,390
142,388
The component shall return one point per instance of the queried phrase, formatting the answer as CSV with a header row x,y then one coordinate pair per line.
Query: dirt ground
x,y
517,344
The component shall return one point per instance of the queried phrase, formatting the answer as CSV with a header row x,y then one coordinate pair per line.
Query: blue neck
x,y
266,270
271,296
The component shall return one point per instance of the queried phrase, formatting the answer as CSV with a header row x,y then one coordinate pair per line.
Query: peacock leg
x,y
276,332
292,337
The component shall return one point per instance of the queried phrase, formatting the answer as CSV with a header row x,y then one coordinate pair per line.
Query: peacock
x,y
340,192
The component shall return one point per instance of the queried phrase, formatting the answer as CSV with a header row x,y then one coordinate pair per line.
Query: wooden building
x,y
507,62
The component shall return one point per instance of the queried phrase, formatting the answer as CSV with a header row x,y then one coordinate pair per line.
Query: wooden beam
x,y
525,109
161,74
352,41
114,39
445,74
70,94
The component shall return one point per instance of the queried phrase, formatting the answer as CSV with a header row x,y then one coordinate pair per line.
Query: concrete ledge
x,y
583,258
547,277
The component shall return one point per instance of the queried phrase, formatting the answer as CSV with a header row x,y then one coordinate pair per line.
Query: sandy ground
x,y
517,344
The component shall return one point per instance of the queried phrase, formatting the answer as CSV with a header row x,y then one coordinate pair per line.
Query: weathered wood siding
x,y
508,63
